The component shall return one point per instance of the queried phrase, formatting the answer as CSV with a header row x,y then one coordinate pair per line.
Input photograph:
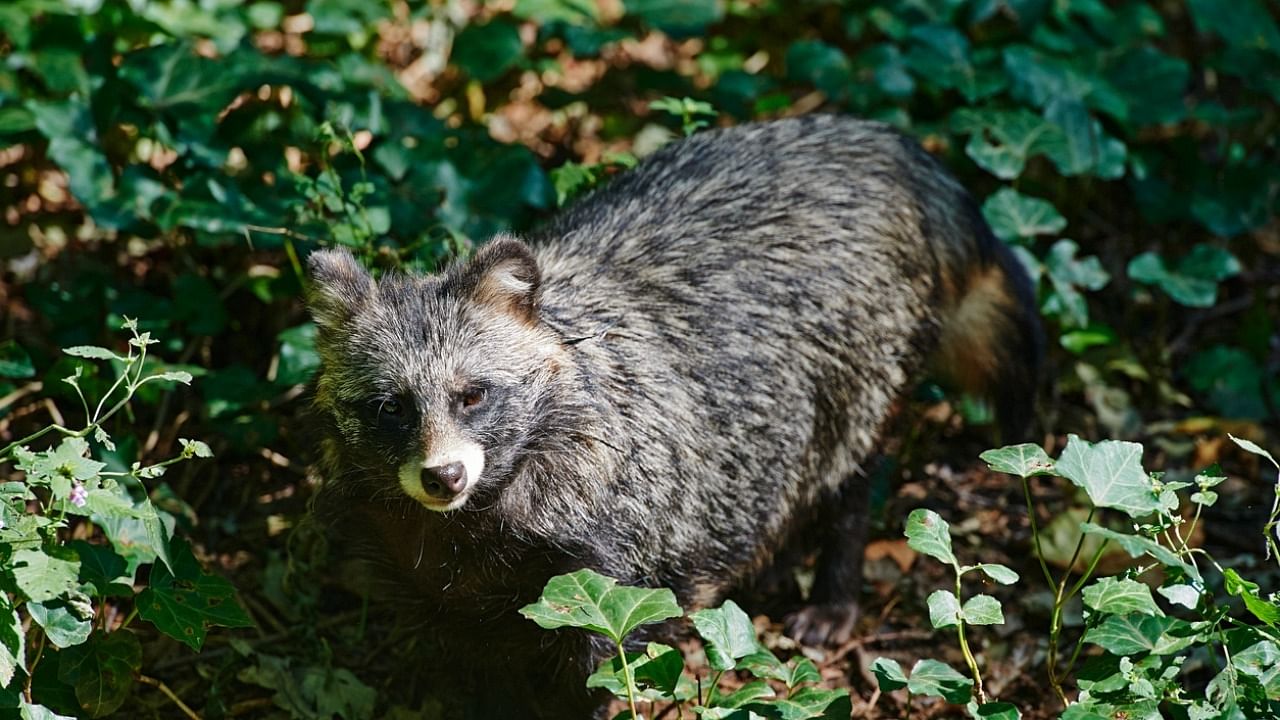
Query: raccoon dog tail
x,y
992,344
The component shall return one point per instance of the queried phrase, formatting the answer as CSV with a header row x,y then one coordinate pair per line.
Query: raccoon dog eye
x,y
391,407
471,398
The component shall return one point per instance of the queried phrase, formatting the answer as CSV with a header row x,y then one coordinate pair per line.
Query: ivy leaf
x,y
101,670
1081,146
941,55
930,677
998,711
676,16
1023,460
657,671
821,65
1243,23
1131,634
586,599
184,603
1014,216
1066,274
1152,84
486,51
1181,594
995,571
14,361
888,674
982,610
1195,282
92,352
728,634
944,609
1137,546
810,703
1120,596
573,12
1000,142
1111,473
929,534
1261,661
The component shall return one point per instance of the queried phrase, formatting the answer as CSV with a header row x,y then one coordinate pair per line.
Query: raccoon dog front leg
x,y
832,612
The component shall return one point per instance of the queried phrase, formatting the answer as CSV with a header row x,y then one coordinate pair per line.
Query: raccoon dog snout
x,y
444,481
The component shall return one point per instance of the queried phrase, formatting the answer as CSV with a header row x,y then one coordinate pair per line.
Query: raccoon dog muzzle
x,y
443,480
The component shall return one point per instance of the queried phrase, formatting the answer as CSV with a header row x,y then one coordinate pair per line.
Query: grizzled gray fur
x,y
661,385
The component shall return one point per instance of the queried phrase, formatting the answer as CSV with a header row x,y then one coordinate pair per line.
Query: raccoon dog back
x,y
660,385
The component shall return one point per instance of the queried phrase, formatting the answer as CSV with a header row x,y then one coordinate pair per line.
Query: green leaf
x,y
1081,146
1187,596
101,670
930,677
944,609
1037,78
982,610
14,361
103,569
1133,634
64,623
748,694
1242,23
998,711
1022,460
1247,590
1261,661
1000,142
888,674
574,12
92,352
1111,473
658,672
184,603
1195,282
941,55
809,703
485,52
821,65
727,633
929,534
1014,216
1152,83
1138,546
1067,274
1254,448
997,572
47,573
1120,596
172,77
13,650
586,599
676,16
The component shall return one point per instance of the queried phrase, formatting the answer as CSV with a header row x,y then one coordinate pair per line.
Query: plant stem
x,y
1059,603
159,685
39,434
631,683
1035,532
964,648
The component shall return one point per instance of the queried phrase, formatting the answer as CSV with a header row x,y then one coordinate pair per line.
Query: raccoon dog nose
x,y
444,480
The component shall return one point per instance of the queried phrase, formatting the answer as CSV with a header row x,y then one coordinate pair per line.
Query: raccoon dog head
x,y
431,384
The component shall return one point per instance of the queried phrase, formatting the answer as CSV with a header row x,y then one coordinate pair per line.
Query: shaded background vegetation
x,y
175,161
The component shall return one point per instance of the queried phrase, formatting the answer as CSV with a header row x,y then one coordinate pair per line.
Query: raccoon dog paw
x,y
828,624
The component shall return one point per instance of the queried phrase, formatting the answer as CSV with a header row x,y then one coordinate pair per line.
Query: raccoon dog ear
x,y
503,275
339,287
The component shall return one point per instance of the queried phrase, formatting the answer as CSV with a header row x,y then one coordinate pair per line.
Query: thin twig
x,y
159,685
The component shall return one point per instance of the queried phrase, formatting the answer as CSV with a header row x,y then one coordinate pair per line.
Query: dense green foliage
x,y
171,163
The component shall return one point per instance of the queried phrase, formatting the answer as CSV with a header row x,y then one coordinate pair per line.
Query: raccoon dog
x,y
659,386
